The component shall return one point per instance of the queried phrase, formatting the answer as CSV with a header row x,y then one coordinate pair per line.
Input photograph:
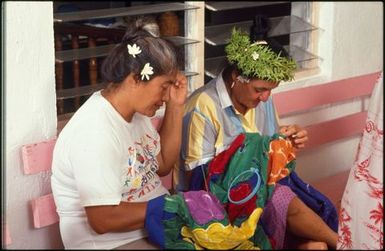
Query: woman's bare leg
x,y
305,223
309,245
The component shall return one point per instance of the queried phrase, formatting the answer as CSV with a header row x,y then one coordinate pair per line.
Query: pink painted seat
x,y
38,157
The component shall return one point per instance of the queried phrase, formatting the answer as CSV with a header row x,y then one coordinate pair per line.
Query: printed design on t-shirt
x,y
131,156
141,169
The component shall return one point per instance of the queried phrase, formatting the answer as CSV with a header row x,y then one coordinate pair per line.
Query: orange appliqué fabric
x,y
281,152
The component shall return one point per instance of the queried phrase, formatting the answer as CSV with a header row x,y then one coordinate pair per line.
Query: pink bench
x,y
333,187
38,157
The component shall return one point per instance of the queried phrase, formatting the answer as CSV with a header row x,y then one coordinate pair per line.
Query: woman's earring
x,y
232,85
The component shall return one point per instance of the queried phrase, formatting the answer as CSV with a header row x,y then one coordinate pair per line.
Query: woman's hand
x,y
296,134
171,129
178,91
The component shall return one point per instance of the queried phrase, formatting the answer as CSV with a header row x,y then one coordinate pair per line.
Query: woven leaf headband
x,y
257,60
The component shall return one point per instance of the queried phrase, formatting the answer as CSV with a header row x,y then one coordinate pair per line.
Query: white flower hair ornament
x,y
243,79
147,71
255,55
133,50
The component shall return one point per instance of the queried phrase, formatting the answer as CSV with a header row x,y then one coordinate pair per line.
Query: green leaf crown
x,y
258,60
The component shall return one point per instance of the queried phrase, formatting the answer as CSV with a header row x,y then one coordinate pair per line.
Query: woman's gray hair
x,y
147,23
159,53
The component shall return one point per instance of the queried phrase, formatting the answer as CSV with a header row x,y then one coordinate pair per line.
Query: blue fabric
x,y
315,200
154,221
197,179
235,119
181,185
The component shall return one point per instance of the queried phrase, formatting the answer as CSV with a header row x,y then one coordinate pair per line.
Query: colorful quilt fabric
x,y
240,180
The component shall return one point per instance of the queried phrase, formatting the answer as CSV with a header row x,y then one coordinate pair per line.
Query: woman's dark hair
x,y
161,54
259,31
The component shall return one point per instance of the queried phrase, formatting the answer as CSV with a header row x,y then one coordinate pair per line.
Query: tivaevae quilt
x,y
239,181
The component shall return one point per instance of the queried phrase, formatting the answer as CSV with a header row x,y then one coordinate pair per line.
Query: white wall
x,y
357,38
30,115
351,44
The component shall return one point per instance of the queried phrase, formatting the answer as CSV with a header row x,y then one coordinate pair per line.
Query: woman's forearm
x,y
170,137
127,216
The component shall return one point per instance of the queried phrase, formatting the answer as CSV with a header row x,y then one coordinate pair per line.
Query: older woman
x,y
108,158
238,101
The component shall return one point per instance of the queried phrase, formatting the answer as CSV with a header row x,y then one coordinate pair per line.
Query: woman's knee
x,y
312,245
295,207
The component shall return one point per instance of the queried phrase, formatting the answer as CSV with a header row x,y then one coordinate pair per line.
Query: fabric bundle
x,y
240,180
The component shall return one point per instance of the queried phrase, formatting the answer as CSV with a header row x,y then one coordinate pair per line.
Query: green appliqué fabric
x,y
249,150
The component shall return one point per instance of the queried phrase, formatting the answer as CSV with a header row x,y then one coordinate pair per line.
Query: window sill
x,y
303,78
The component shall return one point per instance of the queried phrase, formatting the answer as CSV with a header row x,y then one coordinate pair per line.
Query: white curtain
x,y
361,214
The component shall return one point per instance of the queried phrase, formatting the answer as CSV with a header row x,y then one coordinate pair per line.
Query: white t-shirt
x,y
101,159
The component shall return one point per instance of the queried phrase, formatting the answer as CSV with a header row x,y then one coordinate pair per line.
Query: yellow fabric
x,y
196,138
204,110
218,236
248,121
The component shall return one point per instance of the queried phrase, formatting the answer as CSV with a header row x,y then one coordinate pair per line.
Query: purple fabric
x,y
203,206
315,200
274,215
